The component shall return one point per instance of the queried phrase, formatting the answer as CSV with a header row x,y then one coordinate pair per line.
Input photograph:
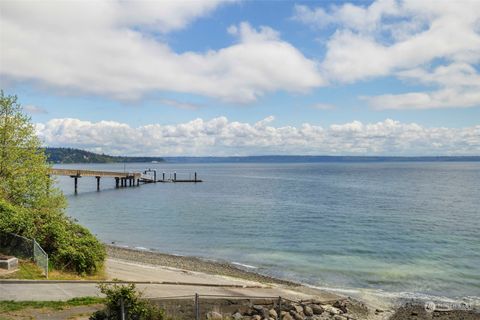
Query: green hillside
x,y
69,155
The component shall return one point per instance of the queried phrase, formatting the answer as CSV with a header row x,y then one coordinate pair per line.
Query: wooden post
x,y
195,176
129,182
75,183
155,176
138,182
117,181
122,182
175,176
98,183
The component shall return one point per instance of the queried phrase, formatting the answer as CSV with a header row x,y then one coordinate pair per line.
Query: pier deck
x,y
122,179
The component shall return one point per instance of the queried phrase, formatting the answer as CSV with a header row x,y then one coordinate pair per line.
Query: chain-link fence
x,y
24,248
208,306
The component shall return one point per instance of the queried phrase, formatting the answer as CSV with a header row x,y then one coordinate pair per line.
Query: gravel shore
x,y
192,264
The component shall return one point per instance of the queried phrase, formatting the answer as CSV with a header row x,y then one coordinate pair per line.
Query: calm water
x,y
401,228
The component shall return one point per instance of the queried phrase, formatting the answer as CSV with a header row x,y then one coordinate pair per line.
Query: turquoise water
x,y
407,229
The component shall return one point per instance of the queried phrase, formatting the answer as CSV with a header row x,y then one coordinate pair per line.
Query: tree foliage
x,y
30,205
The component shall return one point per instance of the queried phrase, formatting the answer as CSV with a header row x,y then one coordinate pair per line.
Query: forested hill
x,y
68,155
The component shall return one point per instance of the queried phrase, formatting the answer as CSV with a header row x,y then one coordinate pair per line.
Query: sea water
x,y
408,229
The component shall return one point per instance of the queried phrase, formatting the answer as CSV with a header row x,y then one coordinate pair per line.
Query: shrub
x,y
135,308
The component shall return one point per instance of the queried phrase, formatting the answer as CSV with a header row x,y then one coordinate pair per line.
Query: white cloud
x,y
392,37
34,109
219,136
180,104
323,106
112,48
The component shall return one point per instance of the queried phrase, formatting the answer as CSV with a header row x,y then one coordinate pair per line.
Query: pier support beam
x,y
138,182
195,176
117,182
98,183
75,183
175,176
129,182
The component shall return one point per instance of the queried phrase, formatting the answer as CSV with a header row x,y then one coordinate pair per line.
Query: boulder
x,y
237,316
212,315
287,316
256,317
342,305
317,309
295,315
308,311
297,308
331,309
272,313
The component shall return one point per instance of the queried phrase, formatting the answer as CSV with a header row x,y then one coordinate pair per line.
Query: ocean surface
x,y
405,229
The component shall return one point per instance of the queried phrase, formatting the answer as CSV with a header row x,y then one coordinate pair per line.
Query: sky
x,y
229,78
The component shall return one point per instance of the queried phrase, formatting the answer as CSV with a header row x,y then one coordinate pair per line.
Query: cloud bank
x,y
219,137
432,43
115,48
118,49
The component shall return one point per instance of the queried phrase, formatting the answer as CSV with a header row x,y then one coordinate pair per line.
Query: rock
x,y
317,309
212,315
237,316
256,317
297,308
272,313
332,310
342,305
287,316
258,308
308,311
296,315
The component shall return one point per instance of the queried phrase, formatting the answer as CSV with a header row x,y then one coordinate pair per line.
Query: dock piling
x,y
98,183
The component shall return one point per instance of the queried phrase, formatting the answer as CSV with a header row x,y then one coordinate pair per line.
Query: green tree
x,y
24,179
30,205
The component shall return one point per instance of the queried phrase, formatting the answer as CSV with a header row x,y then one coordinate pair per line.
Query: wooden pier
x,y
122,179
150,176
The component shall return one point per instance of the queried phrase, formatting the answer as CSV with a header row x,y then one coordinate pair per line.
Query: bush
x,y
69,245
135,308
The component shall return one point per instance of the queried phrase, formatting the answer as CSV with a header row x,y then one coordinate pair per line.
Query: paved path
x,y
200,283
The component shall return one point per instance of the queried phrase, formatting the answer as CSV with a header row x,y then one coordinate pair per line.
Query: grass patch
x,y
9,306
30,271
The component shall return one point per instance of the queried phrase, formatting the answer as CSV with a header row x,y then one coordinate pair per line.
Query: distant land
x,y
307,159
69,155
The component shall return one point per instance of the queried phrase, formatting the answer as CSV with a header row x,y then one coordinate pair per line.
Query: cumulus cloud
x,y
410,39
219,136
113,48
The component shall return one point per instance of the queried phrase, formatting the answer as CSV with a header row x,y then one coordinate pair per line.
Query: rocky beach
x,y
299,303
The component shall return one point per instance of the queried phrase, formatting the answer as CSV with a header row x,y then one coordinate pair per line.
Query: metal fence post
x,y
279,307
197,307
122,309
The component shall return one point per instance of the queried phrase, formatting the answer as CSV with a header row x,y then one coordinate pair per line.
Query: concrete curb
x,y
13,281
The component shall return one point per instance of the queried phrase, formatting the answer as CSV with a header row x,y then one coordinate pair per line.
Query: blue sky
x,y
247,77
